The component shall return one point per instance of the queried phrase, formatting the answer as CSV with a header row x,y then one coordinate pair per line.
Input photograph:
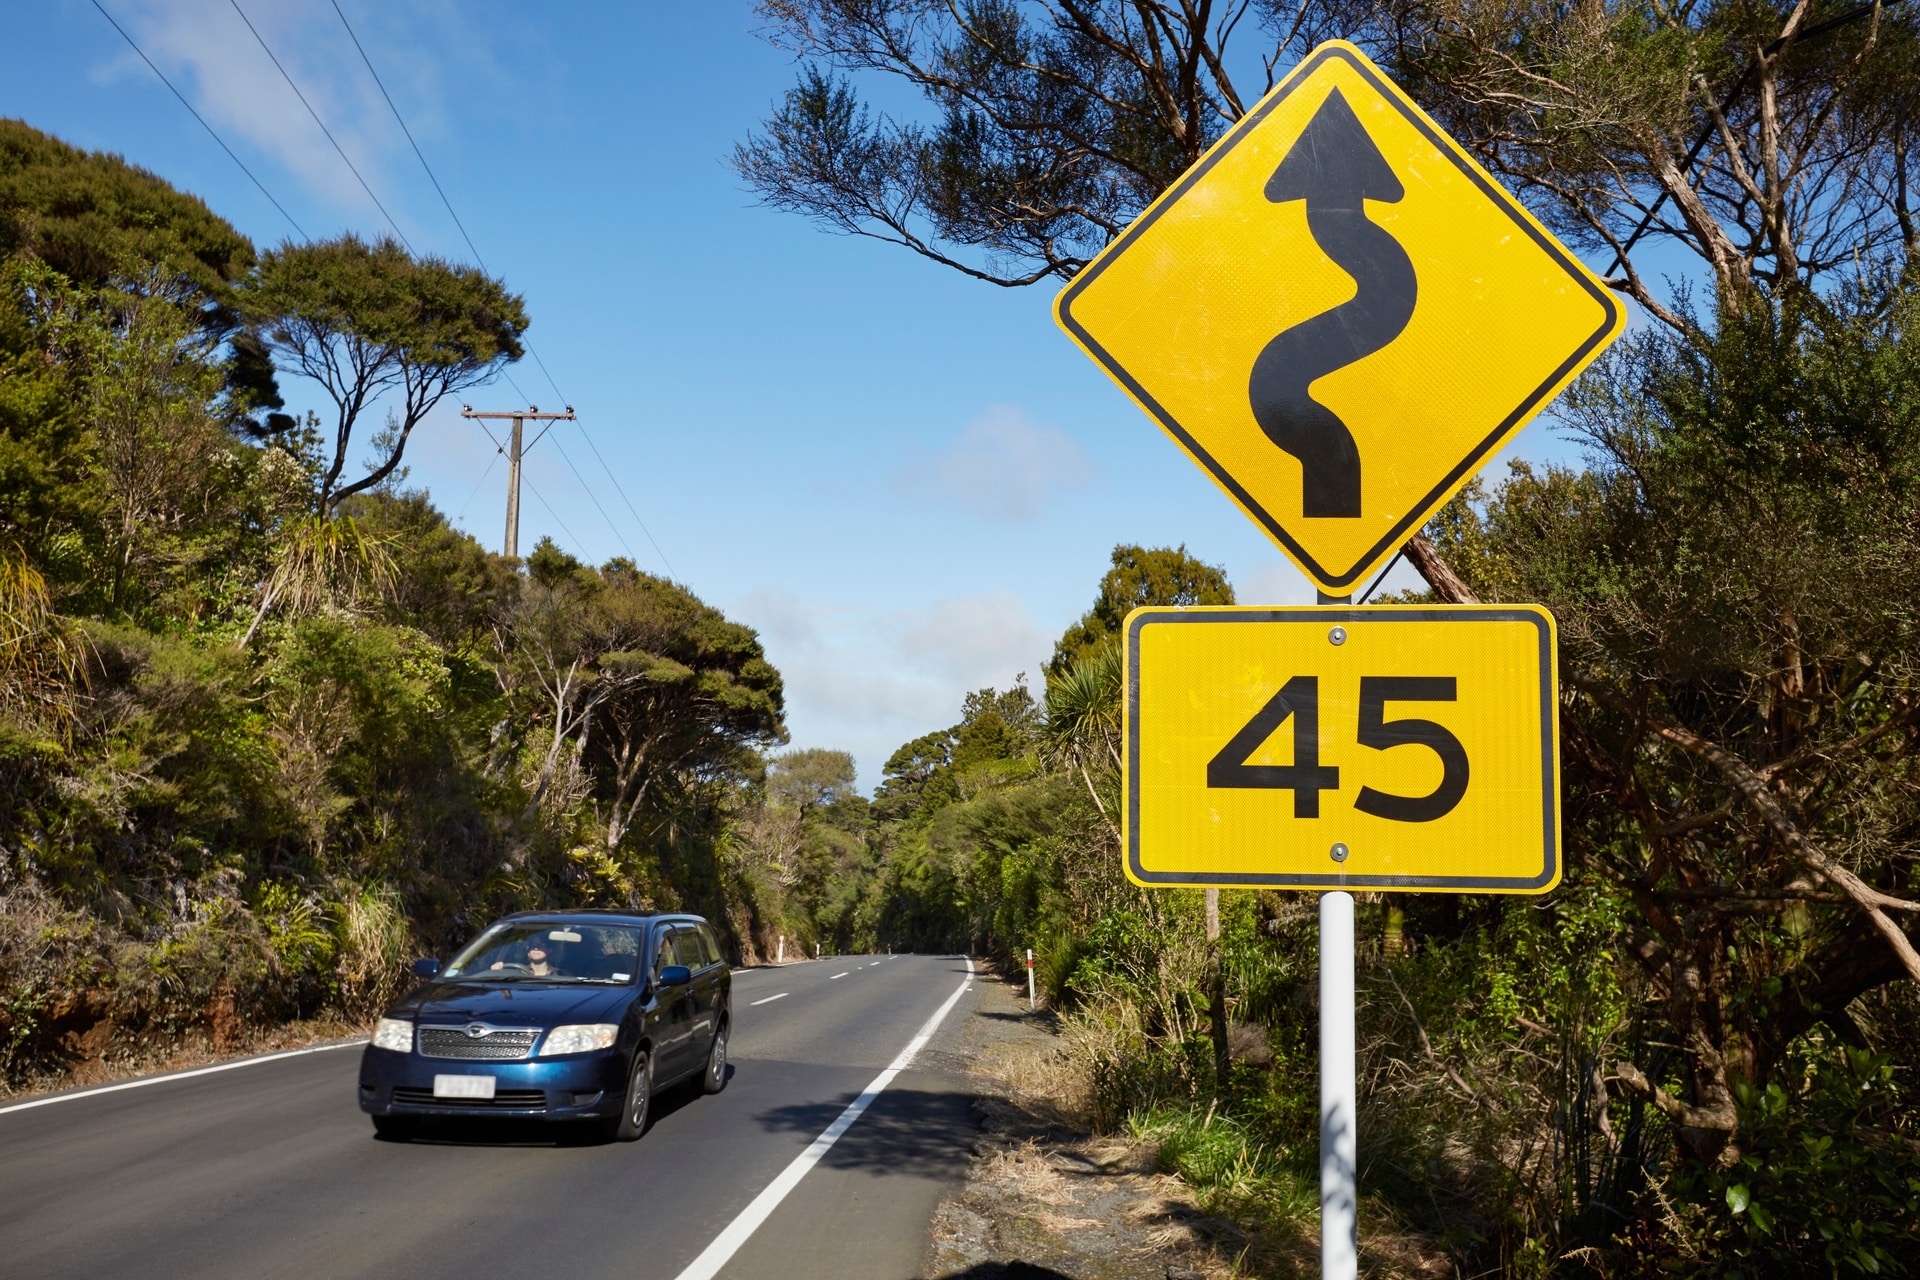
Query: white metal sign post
x,y
1339,1147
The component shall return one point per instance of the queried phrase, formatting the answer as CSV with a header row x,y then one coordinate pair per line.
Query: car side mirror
x,y
675,975
426,968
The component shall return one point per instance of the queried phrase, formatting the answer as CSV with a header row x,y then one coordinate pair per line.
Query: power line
x,y
491,463
203,123
475,250
262,188
323,124
629,501
578,545
482,262
410,142
595,499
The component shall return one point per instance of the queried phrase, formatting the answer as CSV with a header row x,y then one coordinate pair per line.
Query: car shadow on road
x,y
925,1133
1006,1271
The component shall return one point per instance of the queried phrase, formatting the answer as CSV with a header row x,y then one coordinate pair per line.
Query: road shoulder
x,y
1045,1199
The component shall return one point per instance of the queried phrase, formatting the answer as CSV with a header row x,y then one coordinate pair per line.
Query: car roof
x,y
590,915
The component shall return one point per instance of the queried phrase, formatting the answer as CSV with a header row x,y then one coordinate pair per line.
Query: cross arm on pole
x,y
531,412
510,545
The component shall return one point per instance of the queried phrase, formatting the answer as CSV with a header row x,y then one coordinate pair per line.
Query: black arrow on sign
x,y
1335,167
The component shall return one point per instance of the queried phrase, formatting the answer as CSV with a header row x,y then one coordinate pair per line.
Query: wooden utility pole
x,y
511,549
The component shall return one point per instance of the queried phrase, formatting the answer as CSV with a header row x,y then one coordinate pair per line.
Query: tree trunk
x,y
1439,574
1217,995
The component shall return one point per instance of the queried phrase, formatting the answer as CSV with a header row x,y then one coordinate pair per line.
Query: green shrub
x,y
1828,1182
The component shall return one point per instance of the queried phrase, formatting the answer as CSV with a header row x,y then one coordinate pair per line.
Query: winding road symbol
x,y
1335,167
1339,315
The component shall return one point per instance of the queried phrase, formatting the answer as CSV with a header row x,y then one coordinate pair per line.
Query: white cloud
x,y
975,640
1003,465
867,681
204,47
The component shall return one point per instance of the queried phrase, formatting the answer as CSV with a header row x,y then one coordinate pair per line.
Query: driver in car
x,y
536,963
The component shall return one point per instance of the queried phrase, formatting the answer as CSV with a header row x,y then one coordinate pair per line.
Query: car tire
x,y
638,1100
396,1128
714,1078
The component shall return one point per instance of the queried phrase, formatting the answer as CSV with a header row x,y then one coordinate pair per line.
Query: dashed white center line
x,y
839,975
770,999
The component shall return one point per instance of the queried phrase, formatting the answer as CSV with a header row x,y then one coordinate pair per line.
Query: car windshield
x,y
549,952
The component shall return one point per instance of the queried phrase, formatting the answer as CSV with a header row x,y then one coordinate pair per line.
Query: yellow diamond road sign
x,y
1405,747
1339,315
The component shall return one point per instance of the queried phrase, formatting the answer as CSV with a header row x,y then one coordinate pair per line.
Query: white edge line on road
x,y
840,975
178,1075
770,999
737,1232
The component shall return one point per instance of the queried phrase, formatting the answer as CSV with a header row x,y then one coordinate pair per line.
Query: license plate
x,y
463,1086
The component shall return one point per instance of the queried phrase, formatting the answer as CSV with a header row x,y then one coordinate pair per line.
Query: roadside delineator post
x,y
782,957
1030,980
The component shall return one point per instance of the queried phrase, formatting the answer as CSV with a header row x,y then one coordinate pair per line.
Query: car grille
x,y
502,1100
454,1042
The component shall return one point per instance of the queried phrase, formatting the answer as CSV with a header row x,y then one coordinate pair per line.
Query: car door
x,y
691,949
673,1014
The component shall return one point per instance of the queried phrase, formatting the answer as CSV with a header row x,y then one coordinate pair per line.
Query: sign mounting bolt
x,y
1339,853
1337,636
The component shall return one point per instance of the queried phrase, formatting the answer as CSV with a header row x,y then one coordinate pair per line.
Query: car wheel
x,y
716,1077
396,1128
633,1110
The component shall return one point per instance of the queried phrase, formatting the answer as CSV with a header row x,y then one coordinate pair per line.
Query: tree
x,y
1782,141
324,563
648,692
99,221
147,379
1775,143
786,821
686,694
365,320
1083,726
1055,123
810,779
1140,576
447,584
1733,579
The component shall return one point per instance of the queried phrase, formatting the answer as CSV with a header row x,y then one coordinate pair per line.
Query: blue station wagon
x,y
575,1015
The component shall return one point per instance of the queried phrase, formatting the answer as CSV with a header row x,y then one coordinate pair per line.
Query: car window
x,y
686,945
549,951
714,954
663,952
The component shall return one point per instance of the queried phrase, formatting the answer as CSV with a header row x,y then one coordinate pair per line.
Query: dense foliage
x,y
268,729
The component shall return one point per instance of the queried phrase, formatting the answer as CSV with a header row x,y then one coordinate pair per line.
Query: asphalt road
x,y
271,1170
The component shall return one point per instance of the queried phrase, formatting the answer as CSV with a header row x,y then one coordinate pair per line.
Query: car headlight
x,y
578,1039
395,1034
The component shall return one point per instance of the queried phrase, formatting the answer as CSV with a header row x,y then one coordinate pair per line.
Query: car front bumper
x,y
581,1086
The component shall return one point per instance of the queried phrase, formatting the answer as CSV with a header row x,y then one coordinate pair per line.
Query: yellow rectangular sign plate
x,y
1405,747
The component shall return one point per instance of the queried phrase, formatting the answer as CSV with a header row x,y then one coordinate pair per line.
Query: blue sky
x,y
907,481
